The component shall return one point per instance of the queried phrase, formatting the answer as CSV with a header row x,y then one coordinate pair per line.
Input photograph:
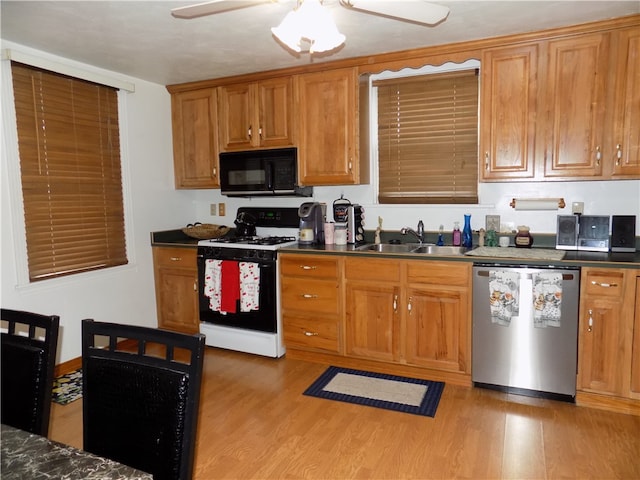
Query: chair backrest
x,y
141,393
28,359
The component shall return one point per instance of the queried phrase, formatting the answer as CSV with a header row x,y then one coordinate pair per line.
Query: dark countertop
x,y
175,238
25,455
571,258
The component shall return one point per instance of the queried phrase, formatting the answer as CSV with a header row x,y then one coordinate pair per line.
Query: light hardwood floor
x,y
256,424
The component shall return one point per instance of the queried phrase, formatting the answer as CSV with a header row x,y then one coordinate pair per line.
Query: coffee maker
x,y
311,223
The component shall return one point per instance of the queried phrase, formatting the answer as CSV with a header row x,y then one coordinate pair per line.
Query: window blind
x,y
428,138
69,143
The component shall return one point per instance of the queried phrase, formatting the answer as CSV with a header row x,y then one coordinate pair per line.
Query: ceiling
x,y
141,39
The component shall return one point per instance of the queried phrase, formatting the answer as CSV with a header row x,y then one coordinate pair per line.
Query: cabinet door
x,y
237,128
195,139
275,98
635,360
576,77
625,148
176,282
600,347
436,332
177,300
328,115
508,112
372,317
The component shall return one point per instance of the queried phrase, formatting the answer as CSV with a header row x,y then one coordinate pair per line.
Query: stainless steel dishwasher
x,y
525,329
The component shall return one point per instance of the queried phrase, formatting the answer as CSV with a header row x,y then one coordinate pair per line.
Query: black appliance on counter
x,y
255,328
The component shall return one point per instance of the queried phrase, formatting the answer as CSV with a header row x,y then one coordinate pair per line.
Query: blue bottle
x,y
467,236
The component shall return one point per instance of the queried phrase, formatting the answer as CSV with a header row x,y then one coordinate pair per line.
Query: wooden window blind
x,y
428,138
69,143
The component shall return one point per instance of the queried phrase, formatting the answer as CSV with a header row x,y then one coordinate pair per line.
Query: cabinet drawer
x,y
310,295
175,257
439,273
372,269
604,283
310,333
309,266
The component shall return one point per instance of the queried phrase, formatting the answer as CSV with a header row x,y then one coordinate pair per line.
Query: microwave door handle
x,y
268,170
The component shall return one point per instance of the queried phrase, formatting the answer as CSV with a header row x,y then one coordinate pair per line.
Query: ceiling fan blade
x,y
215,6
414,11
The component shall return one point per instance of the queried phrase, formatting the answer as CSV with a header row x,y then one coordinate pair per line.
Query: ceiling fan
x,y
412,11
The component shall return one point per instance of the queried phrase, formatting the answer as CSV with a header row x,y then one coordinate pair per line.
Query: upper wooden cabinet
x,y
195,138
624,146
328,152
577,71
562,109
256,115
508,112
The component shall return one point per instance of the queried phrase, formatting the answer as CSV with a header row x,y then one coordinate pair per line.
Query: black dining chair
x,y
28,360
141,392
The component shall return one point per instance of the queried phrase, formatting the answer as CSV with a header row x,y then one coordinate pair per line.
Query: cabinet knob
x,y
603,284
309,295
176,259
590,321
486,160
308,267
409,305
395,303
311,334
250,132
598,155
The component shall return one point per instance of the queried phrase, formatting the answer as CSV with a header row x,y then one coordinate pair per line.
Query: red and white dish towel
x,y
227,282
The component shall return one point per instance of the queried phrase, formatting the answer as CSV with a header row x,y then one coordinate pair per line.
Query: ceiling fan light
x,y
312,23
289,32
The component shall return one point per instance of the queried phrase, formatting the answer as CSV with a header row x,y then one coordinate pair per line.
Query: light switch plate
x,y
214,210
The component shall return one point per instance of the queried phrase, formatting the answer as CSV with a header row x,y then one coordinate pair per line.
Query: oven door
x,y
264,319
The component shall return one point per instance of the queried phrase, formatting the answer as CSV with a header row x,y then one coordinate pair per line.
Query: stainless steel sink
x,y
390,247
440,250
424,249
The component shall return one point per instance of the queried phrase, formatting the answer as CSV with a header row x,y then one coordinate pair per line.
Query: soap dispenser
x,y
457,235
440,241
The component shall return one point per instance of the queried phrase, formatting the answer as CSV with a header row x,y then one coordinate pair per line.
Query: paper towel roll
x,y
536,203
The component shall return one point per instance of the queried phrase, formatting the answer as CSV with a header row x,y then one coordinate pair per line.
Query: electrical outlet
x,y
214,210
221,209
577,208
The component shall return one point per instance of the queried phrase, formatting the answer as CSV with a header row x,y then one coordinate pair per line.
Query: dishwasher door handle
x,y
527,276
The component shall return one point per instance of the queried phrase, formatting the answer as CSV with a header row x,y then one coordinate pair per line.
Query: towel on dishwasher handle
x,y
212,283
249,286
504,293
547,299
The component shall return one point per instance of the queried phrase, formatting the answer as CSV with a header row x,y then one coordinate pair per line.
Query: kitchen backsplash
x,y
600,198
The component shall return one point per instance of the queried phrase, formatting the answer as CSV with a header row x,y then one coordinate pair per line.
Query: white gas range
x,y
239,282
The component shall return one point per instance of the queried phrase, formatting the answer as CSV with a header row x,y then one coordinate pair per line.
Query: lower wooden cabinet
x,y
609,341
176,281
391,315
414,313
310,302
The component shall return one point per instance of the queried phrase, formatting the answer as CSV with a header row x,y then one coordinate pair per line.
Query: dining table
x,y
25,455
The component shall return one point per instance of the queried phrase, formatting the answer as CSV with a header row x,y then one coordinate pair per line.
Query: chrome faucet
x,y
419,233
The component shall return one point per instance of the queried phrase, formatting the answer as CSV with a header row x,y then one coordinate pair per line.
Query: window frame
x,y
12,174
373,123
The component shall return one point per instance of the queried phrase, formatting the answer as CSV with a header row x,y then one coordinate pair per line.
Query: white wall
x,y
122,294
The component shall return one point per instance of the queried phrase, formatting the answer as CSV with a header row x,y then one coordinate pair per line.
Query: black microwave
x,y
261,172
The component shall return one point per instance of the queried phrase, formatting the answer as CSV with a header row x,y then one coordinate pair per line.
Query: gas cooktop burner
x,y
270,240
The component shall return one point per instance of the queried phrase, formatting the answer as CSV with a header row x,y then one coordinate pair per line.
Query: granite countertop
x,y
26,455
